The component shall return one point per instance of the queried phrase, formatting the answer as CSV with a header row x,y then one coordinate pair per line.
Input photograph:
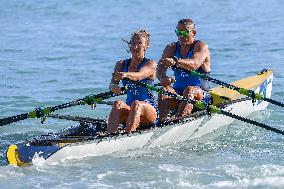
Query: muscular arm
x,y
200,56
147,71
167,53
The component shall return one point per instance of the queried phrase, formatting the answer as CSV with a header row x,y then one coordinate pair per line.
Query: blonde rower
x,y
139,108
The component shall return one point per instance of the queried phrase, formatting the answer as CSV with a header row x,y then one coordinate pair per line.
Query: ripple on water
x,y
23,72
275,50
51,81
86,90
58,58
279,93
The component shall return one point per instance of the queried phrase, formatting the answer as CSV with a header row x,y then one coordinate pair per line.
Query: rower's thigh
x,y
148,112
122,109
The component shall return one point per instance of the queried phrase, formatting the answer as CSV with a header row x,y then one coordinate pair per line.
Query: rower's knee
x,y
193,92
188,91
118,104
167,89
136,104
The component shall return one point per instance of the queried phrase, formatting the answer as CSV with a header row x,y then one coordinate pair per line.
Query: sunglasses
x,y
183,33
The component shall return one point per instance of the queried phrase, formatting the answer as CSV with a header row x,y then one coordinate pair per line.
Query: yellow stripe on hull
x,y
221,94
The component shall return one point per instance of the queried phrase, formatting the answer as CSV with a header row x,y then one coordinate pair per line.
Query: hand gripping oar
x,y
209,108
246,92
43,112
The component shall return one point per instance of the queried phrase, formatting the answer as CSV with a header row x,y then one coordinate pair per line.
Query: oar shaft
x,y
274,102
243,91
247,92
213,80
262,125
77,118
13,119
42,112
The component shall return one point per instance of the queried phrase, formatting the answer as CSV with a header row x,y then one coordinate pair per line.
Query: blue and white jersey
x,y
184,78
136,92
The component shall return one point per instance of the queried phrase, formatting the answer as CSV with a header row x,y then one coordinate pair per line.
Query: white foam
x,y
103,175
38,161
10,171
171,168
186,184
246,183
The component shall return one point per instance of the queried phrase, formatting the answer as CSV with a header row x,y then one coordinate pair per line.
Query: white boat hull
x,y
162,136
192,127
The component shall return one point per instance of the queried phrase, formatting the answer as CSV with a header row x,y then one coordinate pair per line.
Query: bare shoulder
x,y
169,50
152,63
201,46
118,66
120,62
171,47
151,67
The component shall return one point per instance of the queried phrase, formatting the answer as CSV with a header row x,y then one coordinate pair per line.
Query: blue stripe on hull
x,y
27,153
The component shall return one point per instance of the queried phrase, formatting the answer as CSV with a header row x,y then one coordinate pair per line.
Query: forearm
x,y
161,72
114,80
113,84
134,76
197,60
188,64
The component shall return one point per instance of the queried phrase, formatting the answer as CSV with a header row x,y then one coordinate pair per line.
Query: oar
x,y
243,91
43,112
77,118
209,108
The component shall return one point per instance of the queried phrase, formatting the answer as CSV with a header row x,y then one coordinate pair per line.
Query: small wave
x,y
269,182
275,50
11,50
279,93
51,81
27,71
246,44
228,49
54,58
9,86
78,90
101,176
8,172
20,97
171,168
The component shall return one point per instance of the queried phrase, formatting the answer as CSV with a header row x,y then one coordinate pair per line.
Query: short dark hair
x,y
188,23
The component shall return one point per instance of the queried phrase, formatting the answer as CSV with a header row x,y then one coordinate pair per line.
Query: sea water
x,y
52,52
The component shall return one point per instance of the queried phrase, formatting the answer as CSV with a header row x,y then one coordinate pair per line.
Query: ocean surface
x,y
52,52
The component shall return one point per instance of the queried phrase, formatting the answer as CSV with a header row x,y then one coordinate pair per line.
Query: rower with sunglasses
x,y
185,54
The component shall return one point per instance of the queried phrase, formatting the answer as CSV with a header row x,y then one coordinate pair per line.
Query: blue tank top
x,y
136,92
185,79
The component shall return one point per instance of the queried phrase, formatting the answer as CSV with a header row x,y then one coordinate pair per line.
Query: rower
x,y
139,107
182,56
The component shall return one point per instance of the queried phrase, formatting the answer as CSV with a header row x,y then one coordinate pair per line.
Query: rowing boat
x,y
90,139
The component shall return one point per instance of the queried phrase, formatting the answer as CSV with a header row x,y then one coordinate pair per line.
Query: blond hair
x,y
142,34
